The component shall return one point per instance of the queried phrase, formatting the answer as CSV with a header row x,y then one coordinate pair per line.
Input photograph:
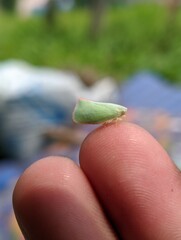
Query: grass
x,y
132,38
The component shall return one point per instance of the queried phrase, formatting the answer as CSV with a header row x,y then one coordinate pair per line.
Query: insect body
x,y
90,112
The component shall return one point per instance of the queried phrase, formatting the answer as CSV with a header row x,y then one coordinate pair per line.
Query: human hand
x,y
126,188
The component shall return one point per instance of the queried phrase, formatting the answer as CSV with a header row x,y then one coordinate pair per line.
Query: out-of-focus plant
x,y
51,12
129,42
173,5
170,25
8,5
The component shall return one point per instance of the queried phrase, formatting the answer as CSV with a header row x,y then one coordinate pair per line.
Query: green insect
x,y
90,112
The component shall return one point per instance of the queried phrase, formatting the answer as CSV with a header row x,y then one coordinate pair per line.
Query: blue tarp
x,y
150,91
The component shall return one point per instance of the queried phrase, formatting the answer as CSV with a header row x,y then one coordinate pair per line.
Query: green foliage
x,y
133,38
8,4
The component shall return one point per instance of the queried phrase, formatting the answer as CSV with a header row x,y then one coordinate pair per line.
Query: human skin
x,y
125,188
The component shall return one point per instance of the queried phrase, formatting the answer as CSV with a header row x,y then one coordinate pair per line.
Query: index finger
x,y
135,180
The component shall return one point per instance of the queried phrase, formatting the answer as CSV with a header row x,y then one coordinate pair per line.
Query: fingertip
x,y
133,176
126,141
54,200
42,173
44,188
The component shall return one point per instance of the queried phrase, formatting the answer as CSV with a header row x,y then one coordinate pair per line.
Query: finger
x,y
135,180
53,200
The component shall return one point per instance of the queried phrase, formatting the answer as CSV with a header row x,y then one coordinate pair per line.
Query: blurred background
x,y
54,51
